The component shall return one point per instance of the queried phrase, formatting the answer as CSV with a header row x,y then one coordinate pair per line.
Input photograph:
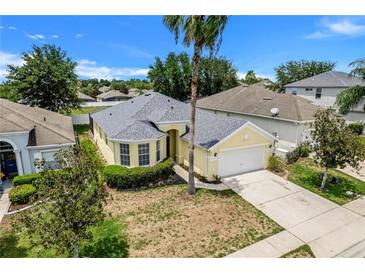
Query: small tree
x,y
46,79
334,144
251,78
72,202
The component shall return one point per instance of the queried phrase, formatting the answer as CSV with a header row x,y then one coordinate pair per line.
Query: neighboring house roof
x,y
137,119
113,93
329,79
257,100
85,97
133,90
104,89
45,127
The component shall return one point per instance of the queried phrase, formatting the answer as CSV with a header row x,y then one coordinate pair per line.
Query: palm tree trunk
x,y
76,250
194,93
324,179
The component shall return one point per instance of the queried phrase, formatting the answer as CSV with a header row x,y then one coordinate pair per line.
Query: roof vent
x,y
110,114
267,98
132,101
274,112
147,94
168,100
44,118
172,107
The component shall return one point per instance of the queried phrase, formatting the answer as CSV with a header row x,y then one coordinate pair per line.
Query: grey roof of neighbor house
x,y
104,89
113,93
258,100
84,97
136,120
329,79
45,127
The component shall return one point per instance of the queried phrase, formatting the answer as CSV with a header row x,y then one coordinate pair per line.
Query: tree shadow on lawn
x,y
9,246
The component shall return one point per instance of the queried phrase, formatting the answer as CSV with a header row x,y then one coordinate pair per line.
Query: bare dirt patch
x,y
163,222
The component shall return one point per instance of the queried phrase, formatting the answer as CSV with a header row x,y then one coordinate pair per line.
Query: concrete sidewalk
x,y
4,199
329,229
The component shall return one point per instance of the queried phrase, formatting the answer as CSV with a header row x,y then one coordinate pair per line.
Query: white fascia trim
x,y
242,127
135,141
257,115
173,122
51,146
13,133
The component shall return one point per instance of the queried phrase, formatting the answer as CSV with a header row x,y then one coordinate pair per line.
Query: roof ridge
x,y
297,109
45,126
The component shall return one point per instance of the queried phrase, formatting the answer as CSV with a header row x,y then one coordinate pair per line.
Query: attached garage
x,y
236,161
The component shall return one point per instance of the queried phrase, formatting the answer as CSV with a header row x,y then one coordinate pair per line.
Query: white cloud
x,y
90,69
79,35
343,27
12,28
55,36
1,27
241,75
36,36
7,58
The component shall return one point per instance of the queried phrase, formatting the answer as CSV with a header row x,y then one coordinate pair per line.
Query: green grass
x,y
308,175
303,251
81,129
362,138
86,110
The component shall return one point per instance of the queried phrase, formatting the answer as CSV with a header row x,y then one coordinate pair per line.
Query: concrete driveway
x,y
328,228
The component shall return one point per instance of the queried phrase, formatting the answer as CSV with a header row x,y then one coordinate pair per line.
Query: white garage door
x,y
233,162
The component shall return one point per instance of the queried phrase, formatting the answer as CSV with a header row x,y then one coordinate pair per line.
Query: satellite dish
x,y
275,111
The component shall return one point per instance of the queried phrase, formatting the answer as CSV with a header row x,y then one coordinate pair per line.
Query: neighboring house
x,y
28,134
85,98
103,89
285,116
149,128
322,90
113,95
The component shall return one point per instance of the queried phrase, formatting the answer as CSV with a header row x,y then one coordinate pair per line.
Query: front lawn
x,y
308,175
87,110
163,222
362,138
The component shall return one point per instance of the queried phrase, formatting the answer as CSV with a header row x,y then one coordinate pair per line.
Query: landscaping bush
x,y
356,128
90,149
303,149
22,194
29,179
292,156
124,178
109,241
276,164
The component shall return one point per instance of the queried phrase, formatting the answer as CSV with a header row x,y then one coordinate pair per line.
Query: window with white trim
x,y
49,159
308,89
124,155
144,154
318,93
158,151
294,92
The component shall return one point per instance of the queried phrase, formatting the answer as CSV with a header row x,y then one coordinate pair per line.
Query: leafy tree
x,y
202,32
251,78
90,90
293,71
8,92
352,96
172,77
334,144
119,85
216,75
72,202
46,79
138,83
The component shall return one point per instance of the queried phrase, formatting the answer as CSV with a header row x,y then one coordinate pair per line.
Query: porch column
x,y
19,163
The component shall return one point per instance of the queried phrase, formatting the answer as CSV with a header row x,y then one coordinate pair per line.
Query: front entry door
x,y
8,163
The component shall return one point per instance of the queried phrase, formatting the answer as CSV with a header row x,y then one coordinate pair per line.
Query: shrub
x,y
303,149
22,194
356,128
292,156
90,149
109,241
26,179
124,178
276,164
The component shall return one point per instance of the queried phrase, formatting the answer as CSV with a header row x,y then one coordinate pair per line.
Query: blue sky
x,y
123,47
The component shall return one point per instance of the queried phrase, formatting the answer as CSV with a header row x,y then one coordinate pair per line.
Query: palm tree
x,y
351,96
201,31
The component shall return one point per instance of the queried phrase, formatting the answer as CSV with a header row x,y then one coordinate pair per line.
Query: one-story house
x,y
28,134
149,128
322,90
85,98
113,95
285,116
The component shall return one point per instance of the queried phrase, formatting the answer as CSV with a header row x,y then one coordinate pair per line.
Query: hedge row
x,y
124,178
357,128
21,194
26,179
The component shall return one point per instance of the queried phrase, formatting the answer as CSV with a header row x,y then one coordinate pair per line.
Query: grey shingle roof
x,y
329,79
85,97
47,127
136,119
113,93
257,100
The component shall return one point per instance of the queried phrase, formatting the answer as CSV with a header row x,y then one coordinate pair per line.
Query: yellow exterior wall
x,y
200,157
100,141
